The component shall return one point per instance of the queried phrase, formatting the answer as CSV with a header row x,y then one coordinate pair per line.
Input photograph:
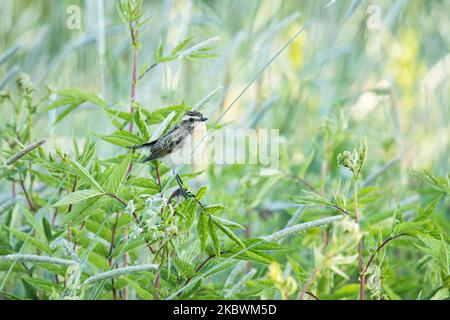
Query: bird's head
x,y
193,116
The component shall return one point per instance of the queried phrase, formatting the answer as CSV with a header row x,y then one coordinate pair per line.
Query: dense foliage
x,y
358,208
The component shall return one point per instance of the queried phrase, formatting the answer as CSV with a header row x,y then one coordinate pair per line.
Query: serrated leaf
x,y
424,214
82,211
123,139
163,126
200,193
46,285
144,183
229,233
179,47
213,208
140,122
160,114
77,197
115,179
87,176
141,292
202,229
81,95
183,267
47,230
22,236
65,113
213,234
227,223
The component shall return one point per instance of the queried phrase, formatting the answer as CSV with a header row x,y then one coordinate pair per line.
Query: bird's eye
x,y
191,120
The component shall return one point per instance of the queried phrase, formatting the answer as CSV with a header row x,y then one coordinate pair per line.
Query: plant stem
x,y
133,34
27,197
201,265
136,218
111,247
13,190
362,283
309,283
385,242
147,70
25,151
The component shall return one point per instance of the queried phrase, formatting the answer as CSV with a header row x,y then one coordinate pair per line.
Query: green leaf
x,y
213,234
22,236
81,212
60,103
252,255
202,229
229,233
397,218
211,209
46,285
182,45
65,113
312,198
115,179
144,183
161,114
140,122
83,96
85,174
141,292
201,192
47,230
118,114
183,267
77,197
123,139
424,214
228,223
442,184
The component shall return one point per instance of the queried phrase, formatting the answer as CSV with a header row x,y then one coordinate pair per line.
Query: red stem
x,y
136,218
198,269
13,190
27,197
385,242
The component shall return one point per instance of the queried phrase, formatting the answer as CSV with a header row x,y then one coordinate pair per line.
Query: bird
x,y
182,144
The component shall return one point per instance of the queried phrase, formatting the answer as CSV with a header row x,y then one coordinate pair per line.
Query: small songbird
x,y
181,143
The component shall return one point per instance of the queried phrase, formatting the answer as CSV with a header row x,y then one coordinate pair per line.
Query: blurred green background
x,y
374,68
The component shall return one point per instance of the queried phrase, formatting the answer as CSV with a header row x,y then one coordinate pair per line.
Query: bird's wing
x,y
167,143
148,144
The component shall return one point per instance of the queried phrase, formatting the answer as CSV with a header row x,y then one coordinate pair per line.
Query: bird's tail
x,y
145,145
150,158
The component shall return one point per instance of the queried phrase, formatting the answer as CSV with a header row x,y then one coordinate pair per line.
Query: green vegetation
x,y
359,207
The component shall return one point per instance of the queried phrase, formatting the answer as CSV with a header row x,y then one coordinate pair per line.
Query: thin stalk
x,y
25,151
133,34
13,190
309,283
385,242
362,282
111,248
201,265
27,197
136,218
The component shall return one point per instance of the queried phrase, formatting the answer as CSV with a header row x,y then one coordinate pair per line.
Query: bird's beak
x,y
204,119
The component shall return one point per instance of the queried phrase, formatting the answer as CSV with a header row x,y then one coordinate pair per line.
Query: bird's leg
x,y
184,192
